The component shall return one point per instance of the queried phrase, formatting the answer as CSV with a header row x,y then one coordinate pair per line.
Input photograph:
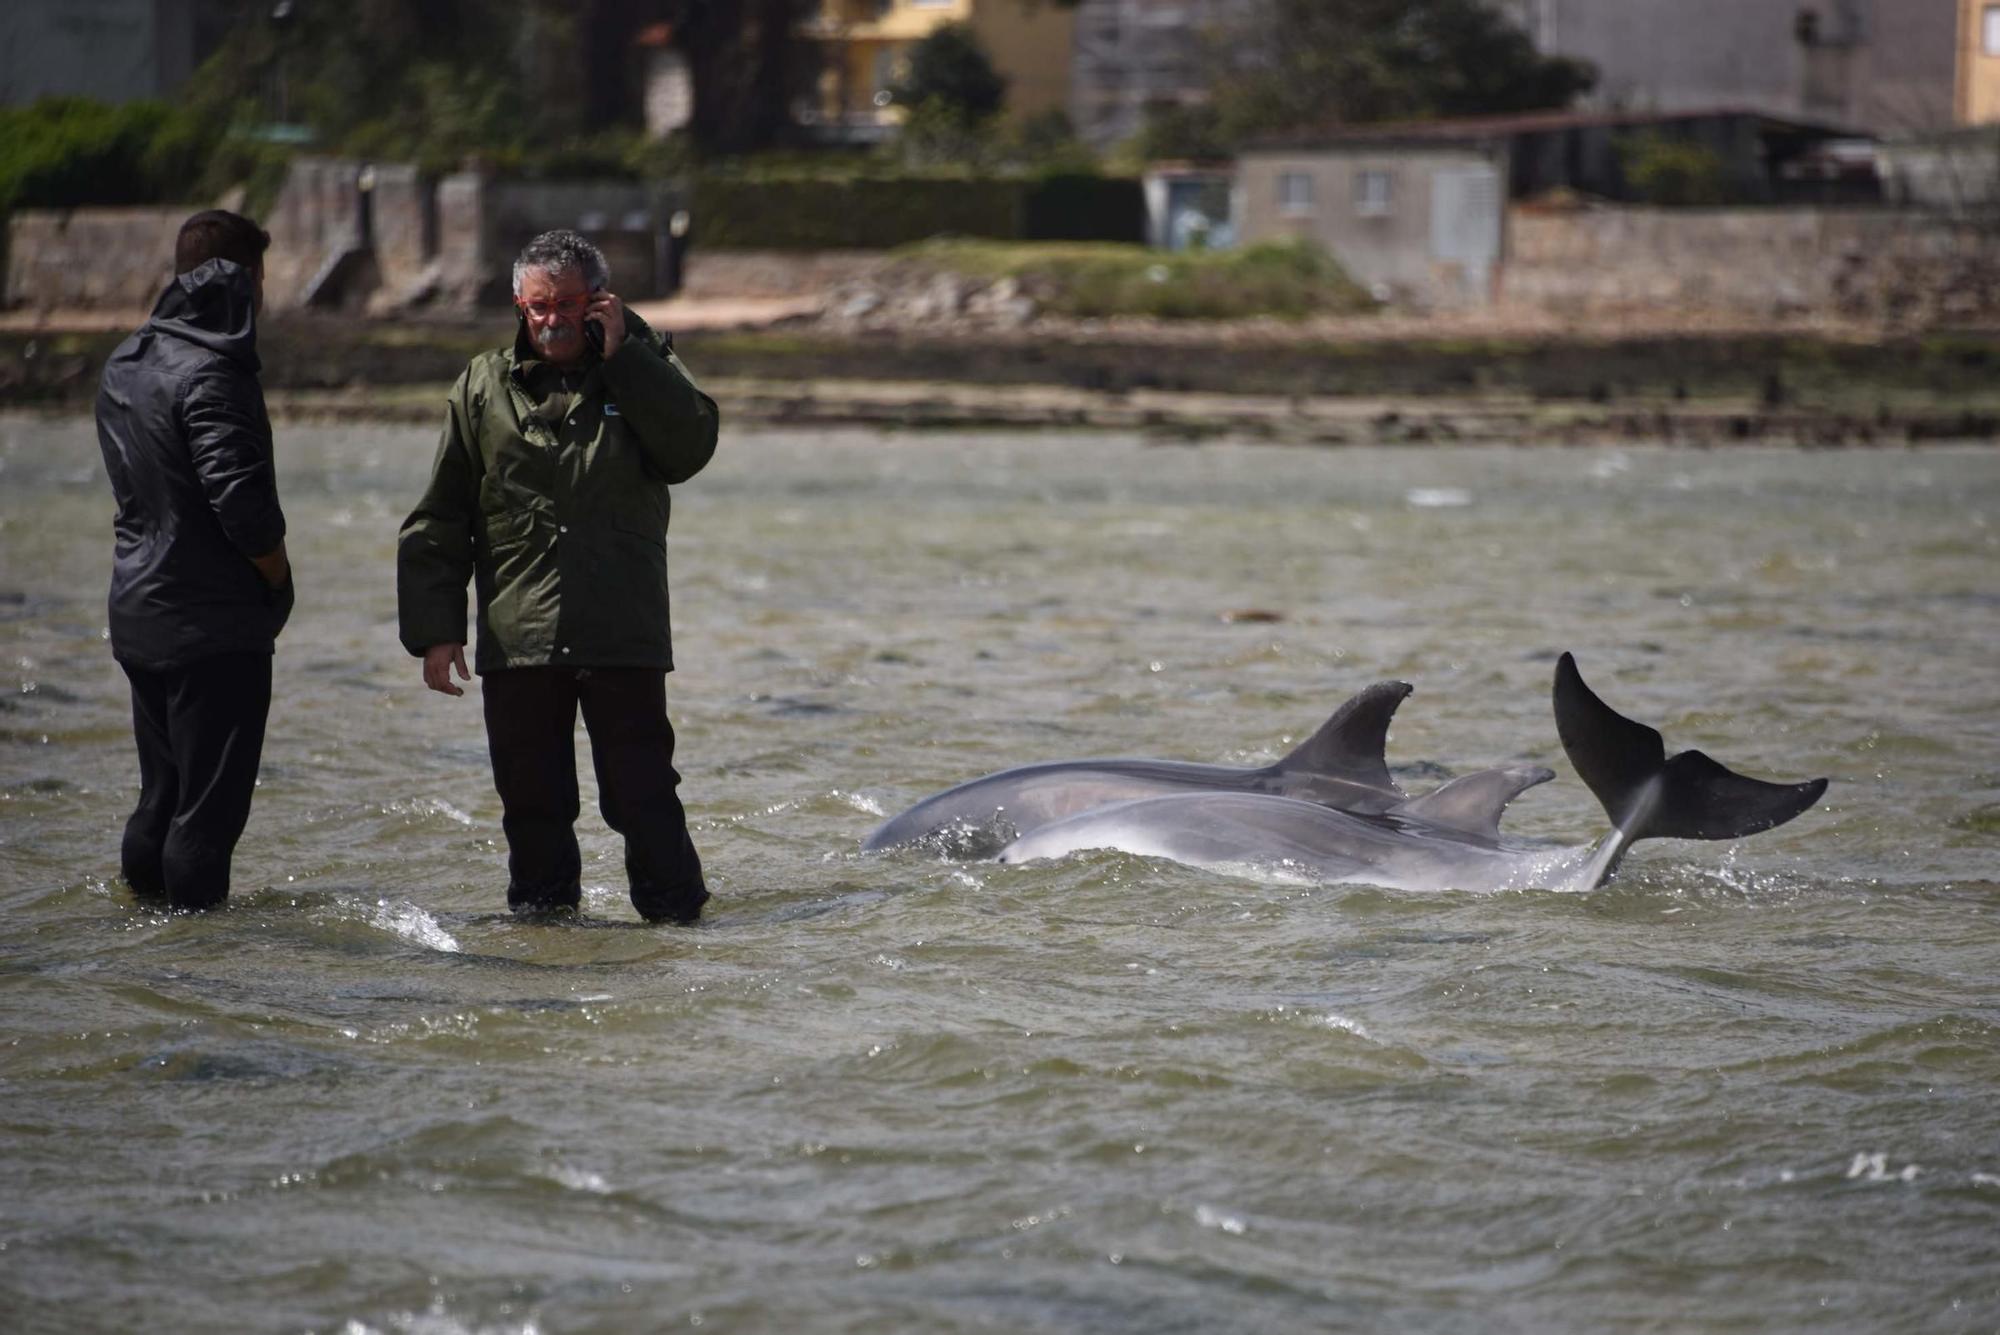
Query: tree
x,y
1302,63
949,71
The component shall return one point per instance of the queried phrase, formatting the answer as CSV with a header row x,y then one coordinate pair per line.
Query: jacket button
x,y
562,528
565,648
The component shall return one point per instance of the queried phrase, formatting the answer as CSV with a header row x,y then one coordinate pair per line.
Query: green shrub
x,y
740,211
1074,206
1660,170
1095,281
70,152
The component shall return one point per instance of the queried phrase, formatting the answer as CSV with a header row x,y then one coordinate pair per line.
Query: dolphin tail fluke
x,y
1473,802
1649,796
1349,745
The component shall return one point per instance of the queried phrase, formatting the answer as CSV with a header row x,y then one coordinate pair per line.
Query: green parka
x,y
561,524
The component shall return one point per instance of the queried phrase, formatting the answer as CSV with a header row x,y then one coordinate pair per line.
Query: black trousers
x,y
200,731
531,733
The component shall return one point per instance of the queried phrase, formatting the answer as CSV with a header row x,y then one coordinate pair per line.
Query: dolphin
x,y
1451,838
1341,764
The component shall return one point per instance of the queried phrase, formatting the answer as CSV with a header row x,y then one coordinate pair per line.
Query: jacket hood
x,y
212,306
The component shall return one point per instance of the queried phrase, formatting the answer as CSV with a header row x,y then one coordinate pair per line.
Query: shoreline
x,y
1169,417
1401,383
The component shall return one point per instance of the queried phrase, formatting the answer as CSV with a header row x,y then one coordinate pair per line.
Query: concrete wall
x,y
1387,249
99,259
1879,65
1750,263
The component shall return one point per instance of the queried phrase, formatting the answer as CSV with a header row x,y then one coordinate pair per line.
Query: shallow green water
x,y
1744,1087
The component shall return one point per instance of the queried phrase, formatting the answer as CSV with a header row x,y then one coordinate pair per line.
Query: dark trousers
x,y
200,731
531,733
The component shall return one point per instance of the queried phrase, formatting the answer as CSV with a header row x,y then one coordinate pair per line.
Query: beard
x,y
556,338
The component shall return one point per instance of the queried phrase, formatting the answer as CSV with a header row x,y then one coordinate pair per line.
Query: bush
x,y
1074,206
1095,281
71,152
1677,172
736,212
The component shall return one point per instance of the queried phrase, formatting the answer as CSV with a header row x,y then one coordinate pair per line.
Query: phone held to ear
x,y
593,330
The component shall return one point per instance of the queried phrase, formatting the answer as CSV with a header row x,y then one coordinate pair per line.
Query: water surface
x,y
1743,1087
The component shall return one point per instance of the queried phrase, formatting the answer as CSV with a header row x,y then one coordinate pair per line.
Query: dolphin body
x,y
1341,764
1451,839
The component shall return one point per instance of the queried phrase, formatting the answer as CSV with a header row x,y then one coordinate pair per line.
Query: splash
x,y
1210,1217
413,924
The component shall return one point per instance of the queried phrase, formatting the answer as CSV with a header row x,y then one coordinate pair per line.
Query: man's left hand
x,y
609,313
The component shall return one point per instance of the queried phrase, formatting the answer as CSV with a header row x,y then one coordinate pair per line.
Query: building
x,y
1419,210
1135,54
1884,66
1977,100
111,50
860,48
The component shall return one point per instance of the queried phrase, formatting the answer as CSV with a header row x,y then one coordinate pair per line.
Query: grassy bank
x,y
1102,281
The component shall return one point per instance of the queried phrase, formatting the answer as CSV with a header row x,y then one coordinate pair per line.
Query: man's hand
x,y
273,566
439,660
609,312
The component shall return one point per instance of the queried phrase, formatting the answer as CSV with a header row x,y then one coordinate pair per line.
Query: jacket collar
x,y
212,306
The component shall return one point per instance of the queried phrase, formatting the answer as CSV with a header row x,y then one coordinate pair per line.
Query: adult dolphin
x,y
1451,839
1341,764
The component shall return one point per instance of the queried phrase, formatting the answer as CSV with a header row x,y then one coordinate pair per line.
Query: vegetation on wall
x,y
1097,281
1664,170
806,211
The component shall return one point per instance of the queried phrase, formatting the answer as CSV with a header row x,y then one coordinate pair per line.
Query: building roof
x,y
1487,129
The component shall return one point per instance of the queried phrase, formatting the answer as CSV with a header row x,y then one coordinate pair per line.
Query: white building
x,y
1131,54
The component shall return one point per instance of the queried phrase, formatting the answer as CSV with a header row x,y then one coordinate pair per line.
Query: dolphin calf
x,y
1451,838
1341,765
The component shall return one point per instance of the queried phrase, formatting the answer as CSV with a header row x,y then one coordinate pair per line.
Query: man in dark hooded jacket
x,y
200,583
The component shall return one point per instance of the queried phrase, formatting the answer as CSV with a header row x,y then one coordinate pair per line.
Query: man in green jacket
x,y
549,494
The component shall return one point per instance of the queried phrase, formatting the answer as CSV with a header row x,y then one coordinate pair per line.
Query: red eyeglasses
x,y
563,306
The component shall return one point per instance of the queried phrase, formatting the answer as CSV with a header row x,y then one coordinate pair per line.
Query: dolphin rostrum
x,y
1341,765
1451,838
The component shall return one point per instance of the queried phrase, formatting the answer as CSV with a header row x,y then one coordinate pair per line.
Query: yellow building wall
x,y
1027,40
1978,99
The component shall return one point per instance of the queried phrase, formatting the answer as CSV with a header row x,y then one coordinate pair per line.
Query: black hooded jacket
x,y
180,418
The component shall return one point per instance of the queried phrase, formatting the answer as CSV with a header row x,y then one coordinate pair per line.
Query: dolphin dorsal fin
x,y
1473,802
1349,744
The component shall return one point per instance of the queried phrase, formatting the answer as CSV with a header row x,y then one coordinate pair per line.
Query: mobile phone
x,y
593,330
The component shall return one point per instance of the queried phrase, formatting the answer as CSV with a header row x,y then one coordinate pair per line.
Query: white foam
x,y
1438,498
413,924
861,802
1342,1023
578,1179
436,1321
1875,1168
1210,1217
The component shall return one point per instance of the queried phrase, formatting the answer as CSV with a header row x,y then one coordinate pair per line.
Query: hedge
x,y
879,213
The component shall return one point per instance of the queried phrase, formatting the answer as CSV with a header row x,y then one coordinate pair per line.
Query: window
x,y
1374,193
1295,193
1989,30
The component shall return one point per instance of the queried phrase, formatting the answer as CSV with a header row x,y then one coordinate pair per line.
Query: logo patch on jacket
x,y
610,408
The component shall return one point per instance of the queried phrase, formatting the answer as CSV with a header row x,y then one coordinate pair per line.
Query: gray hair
x,y
556,253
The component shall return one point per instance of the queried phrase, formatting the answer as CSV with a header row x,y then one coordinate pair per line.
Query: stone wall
x,y
102,259
1751,263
